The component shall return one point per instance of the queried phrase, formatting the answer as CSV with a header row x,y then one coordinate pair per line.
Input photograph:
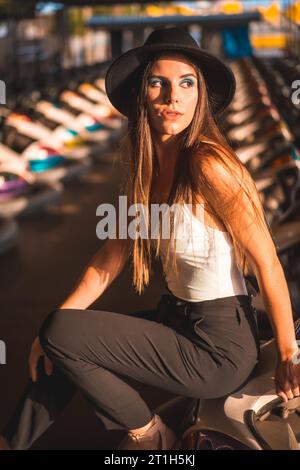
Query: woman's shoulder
x,y
217,164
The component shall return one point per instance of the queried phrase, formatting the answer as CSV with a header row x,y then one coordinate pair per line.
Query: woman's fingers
x,y
33,366
289,394
287,380
282,395
35,354
48,365
296,391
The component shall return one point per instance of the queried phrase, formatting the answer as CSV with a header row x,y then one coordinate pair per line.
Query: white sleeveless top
x,y
205,260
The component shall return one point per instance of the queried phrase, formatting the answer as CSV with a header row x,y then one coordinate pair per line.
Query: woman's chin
x,y
171,130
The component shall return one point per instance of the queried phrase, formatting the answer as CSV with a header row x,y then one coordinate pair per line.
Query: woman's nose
x,y
171,94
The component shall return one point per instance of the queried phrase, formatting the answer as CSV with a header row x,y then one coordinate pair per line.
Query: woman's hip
x,y
226,327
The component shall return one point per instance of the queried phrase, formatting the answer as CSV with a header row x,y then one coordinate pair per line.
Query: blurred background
x,y
59,157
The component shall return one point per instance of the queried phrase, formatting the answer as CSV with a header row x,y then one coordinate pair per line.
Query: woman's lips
x,y
171,116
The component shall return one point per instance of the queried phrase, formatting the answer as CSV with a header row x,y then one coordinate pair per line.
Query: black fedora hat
x,y
124,73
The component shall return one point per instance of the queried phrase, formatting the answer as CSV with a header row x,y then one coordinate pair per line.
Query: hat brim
x,y
123,73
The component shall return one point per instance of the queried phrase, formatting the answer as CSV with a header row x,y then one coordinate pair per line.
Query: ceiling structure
x,y
21,8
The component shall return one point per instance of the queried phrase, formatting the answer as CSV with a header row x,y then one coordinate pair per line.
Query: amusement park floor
x,y
52,250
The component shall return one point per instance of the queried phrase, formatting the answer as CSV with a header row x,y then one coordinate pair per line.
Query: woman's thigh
x,y
137,347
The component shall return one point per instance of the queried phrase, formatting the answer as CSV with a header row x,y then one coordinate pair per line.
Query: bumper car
x,y
252,418
21,194
49,165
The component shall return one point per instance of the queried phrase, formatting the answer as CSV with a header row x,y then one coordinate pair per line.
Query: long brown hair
x,y
200,140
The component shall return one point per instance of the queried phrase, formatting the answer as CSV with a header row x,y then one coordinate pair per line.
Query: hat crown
x,y
123,76
171,36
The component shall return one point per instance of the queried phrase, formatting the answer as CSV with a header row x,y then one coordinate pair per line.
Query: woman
x,y
201,340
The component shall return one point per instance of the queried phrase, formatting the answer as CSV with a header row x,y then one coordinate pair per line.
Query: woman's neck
x,y
167,153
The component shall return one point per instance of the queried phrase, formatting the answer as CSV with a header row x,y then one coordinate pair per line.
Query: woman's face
x,y
172,86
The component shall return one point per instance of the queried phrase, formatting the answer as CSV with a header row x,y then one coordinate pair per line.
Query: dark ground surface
x,y
36,276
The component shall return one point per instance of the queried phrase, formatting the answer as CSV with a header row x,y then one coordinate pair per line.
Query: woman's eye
x,y
154,82
189,82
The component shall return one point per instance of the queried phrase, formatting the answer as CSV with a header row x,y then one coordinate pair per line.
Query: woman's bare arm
x,y
260,251
101,271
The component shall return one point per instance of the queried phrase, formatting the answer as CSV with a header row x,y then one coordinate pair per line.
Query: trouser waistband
x,y
226,304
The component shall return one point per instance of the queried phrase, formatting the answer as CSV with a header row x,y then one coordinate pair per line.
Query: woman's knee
x,y
56,328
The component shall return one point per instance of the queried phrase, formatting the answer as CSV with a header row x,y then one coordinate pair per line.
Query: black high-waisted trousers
x,y
202,349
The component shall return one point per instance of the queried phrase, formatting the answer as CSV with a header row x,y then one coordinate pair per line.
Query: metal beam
x,y
124,22
111,2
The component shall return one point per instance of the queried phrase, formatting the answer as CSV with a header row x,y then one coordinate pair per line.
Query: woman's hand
x,y
35,354
287,378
